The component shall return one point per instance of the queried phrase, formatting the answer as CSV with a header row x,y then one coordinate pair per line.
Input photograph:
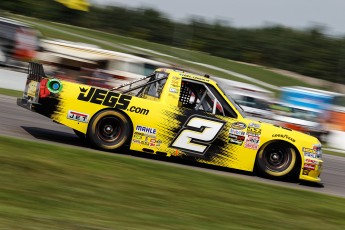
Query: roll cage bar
x,y
151,79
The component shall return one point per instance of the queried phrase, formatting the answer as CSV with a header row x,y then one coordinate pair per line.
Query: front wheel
x,y
277,160
109,130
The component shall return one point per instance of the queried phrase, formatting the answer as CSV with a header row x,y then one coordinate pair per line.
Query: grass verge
x,y
48,186
11,92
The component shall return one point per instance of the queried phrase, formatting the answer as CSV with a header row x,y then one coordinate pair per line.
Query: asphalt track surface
x,y
19,122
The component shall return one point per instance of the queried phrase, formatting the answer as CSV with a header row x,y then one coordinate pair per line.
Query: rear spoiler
x,y
35,72
32,86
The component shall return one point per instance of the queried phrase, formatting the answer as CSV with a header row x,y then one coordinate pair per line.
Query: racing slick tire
x,y
109,130
277,160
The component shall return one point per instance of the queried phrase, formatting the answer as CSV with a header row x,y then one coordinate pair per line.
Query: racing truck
x,y
174,113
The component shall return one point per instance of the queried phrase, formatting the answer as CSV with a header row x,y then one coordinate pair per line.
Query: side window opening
x,y
151,85
155,89
199,96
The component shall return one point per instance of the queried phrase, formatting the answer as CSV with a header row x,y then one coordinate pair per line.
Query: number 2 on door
x,y
197,134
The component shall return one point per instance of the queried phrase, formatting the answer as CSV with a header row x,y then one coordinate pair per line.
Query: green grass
x,y
118,43
47,186
334,153
11,92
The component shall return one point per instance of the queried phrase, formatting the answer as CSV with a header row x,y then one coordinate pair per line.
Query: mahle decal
x,y
104,97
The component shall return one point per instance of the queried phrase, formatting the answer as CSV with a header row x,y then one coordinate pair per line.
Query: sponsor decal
x,y
252,142
236,139
145,136
305,172
253,139
311,161
152,142
139,110
309,166
173,90
237,132
254,125
146,129
253,130
284,136
238,125
78,116
175,83
144,142
104,97
137,136
32,88
198,78
158,143
308,150
317,148
310,155
249,145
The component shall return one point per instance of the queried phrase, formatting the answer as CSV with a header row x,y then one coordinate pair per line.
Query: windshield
x,y
232,101
252,102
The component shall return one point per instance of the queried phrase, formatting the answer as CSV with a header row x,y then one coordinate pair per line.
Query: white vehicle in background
x,y
92,65
300,118
254,100
18,41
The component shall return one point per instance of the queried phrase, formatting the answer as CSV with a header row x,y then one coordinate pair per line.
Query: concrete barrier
x,y
336,139
12,80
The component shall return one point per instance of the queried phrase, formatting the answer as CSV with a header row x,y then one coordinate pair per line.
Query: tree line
x,y
309,52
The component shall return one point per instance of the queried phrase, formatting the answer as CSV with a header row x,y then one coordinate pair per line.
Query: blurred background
x,y
288,71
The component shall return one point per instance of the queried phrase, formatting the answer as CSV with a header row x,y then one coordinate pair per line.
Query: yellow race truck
x,y
174,113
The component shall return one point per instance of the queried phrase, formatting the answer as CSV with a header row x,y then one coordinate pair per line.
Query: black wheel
x,y
277,160
79,134
109,129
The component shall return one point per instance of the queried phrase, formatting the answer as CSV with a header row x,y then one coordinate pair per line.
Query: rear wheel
x,y
109,130
277,160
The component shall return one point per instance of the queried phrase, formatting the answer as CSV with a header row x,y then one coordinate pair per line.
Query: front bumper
x,y
311,172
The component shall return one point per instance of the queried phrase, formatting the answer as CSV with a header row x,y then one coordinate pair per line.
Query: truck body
x,y
175,114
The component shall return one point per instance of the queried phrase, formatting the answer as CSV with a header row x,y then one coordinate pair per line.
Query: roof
x,y
187,75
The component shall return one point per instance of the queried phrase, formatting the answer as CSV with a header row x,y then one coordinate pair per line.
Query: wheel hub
x,y
275,157
108,129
